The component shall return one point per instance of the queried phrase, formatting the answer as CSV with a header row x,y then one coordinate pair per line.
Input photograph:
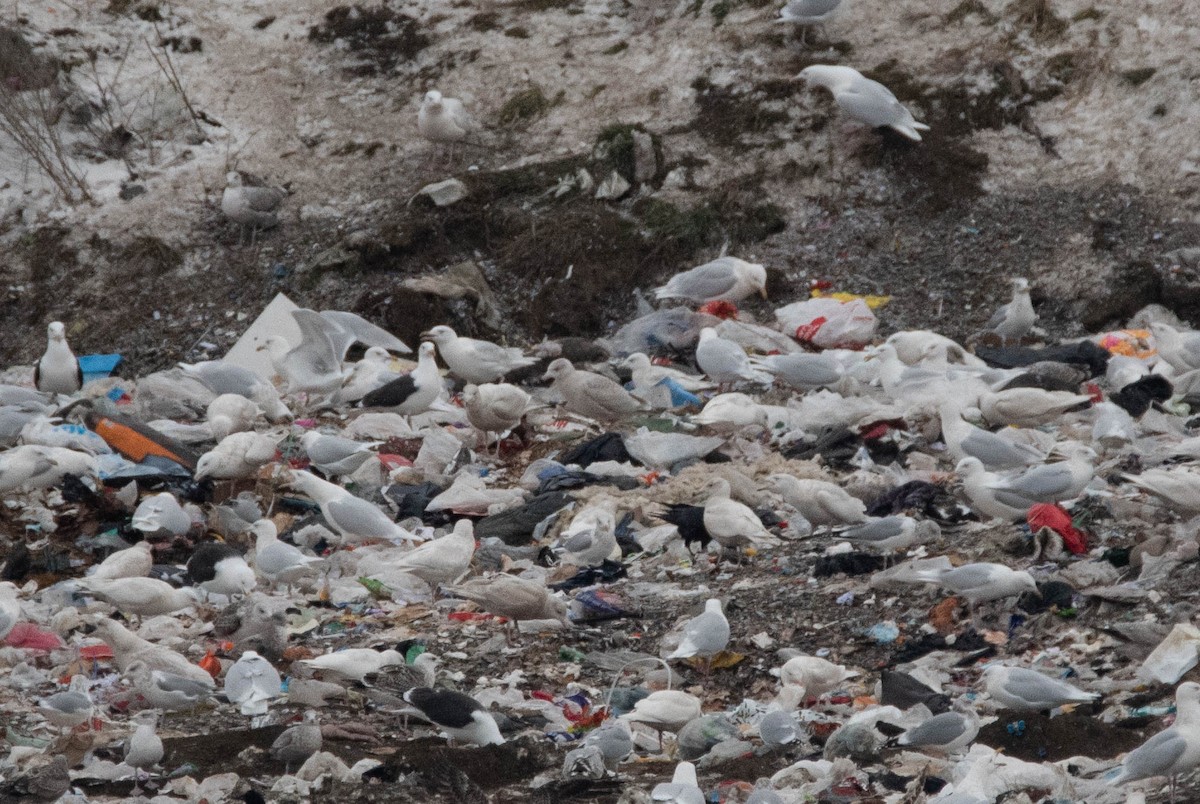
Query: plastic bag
x,y
829,323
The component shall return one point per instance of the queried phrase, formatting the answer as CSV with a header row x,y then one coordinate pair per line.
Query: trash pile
x,y
708,558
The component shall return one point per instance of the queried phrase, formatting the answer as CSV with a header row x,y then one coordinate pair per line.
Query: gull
x,y
591,537
128,648
822,503
314,365
441,560
1171,752
977,485
1014,320
161,513
299,742
10,608
230,413
682,789
981,581
513,597
443,120
705,635
948,732
1178,487
70,708
167,691
816,676
964,440
614,741
372,372
584,762
279,562
30,467
350,328
1178,349
729,522
591,395
867,101
725,362
1025,690
413,393
225,378
355,519
144,597
58,370
132,562
646,375
219,569
494,407
1028,407
1048,483
251,683
473,360
250,208
335,455
807,13
723,279
236,457
144,748
727,412
354,663
457,714
778,727
388,686
806,372
665,710
891,533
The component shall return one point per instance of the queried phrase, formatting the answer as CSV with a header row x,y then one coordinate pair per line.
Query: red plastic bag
x,y
1049,515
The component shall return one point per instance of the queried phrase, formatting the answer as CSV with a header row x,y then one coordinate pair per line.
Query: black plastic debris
x,y
847,564
607,572
903,691
515,526
1085,354
411,501
604,447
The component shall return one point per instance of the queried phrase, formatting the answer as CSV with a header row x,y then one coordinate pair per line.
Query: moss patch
x,y
1039,17
523,108
1138,76
725,115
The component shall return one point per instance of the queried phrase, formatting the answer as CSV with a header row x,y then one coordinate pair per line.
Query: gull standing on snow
x,y
1013,321
58,370
251,208
725,362
443,120
807,13
279,562
413,393
723,279
705,635
591,395
866,101
729,522
1171,752
1024,690
354,518
473,360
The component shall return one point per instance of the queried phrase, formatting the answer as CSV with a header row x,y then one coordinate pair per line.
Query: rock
x,y
444,193
645,161
613,187
334,258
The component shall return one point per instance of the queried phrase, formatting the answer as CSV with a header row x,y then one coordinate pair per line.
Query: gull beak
x,y
426,336
763,291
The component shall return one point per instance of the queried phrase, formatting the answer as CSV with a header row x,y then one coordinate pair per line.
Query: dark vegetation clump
x,y
378,37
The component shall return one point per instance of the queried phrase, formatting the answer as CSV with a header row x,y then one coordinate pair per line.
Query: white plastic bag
x,y
829,323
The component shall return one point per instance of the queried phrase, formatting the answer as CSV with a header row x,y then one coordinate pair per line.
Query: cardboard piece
x,y
275,319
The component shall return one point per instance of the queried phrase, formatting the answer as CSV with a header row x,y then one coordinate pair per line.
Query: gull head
x,y
559,368
1020,284
426,351
832,77
433,99
56,331
441,335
